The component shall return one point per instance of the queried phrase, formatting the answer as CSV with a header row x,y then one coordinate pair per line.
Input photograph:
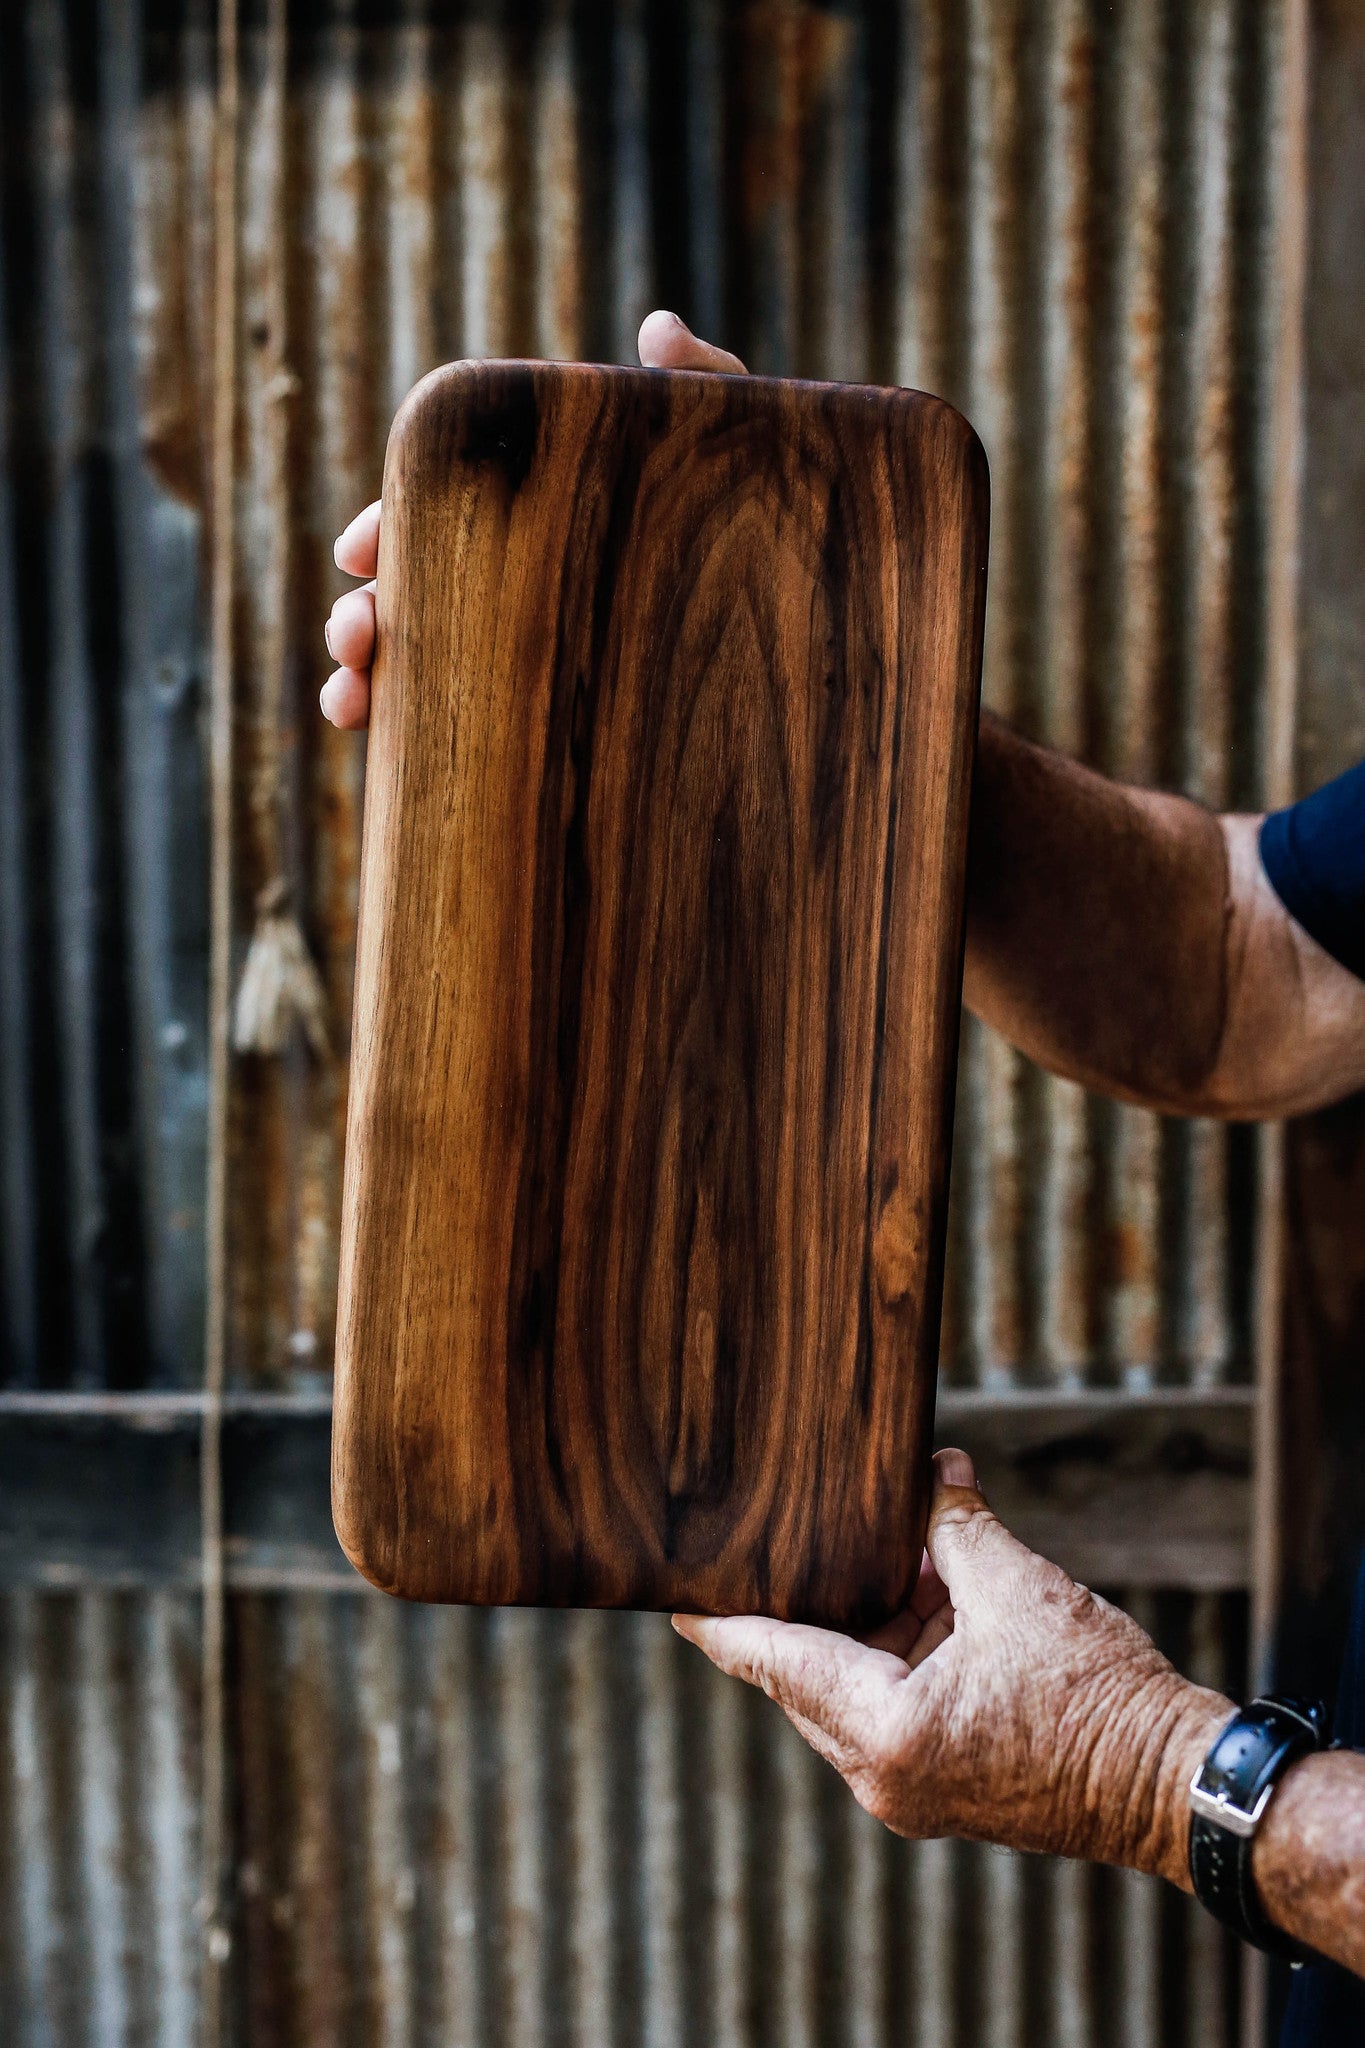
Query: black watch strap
x,y
1230,1792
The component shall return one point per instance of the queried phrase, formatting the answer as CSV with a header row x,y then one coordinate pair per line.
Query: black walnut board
x,y
658,987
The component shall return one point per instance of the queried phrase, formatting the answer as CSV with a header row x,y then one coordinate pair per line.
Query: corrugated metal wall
x,y
471,1829
459,1828
1058,216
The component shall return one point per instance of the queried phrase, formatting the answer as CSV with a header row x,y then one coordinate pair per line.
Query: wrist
x,y
1197,1717
1141,1770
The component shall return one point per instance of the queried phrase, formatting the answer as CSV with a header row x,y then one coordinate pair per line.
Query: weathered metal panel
x,y
460,1827
1070,203
1054,214
98,1830
102,904
485,1829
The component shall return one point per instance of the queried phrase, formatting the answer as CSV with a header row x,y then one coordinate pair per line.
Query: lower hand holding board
x,y
657,991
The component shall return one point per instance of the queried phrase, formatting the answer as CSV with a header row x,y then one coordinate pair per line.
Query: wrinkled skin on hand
x,y
1007,1704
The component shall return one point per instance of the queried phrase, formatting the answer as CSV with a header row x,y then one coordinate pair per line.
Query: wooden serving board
x,y
658,988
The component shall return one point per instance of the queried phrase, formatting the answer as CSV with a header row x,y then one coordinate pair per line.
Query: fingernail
x,y
327,636
956,1469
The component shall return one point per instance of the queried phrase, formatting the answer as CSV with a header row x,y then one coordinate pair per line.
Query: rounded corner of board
x,y
429,401
358,1549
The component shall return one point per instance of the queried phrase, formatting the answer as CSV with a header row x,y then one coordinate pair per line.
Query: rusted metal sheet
x,y
1054,214
1060,214
102,905
465,1827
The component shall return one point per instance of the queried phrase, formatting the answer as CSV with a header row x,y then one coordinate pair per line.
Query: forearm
x,y
1132,942
1096,923
1309,1857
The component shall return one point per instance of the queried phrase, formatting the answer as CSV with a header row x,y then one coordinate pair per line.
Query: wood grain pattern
x,y
658,988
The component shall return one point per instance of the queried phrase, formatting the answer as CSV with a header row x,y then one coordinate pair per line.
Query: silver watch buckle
x,y
1224,1812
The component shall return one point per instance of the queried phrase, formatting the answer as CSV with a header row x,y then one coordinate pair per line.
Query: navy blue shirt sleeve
x,y
1314,854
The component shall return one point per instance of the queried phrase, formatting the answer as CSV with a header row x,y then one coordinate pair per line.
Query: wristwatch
x,y
1229,1793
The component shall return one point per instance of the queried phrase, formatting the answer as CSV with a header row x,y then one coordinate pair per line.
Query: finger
x,y
970,1550
345,699
930,1592
932,1636
928,1602
816,1676
897,1636
349,631
357,548
667,343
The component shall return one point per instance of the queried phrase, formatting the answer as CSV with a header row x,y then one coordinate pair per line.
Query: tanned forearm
x,y
1308,1860
1130,941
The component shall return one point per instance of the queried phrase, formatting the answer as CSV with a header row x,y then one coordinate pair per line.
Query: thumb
x,y
968,1547
828,1681
666,343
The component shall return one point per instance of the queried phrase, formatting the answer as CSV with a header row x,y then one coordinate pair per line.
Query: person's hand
x,y
665,344
1006,1704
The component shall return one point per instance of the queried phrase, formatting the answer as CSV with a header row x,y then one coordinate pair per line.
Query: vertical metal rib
x,y
462,1897
1065,1962
1004,1958
795,1982
769,168
1202,1337
990,1073
834,209
867,1928
556,204
158,399
734,1989
340,413
929,2011
705,170
32,1905
163,1741
100,1773
72,399
660,1821
1062,515
485,145
517,1649
632,254
392,1880
408,241
594,1931
20,1308
314,1751
265,1227
1136,662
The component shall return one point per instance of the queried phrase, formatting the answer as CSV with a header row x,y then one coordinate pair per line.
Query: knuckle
x,y
971,1527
